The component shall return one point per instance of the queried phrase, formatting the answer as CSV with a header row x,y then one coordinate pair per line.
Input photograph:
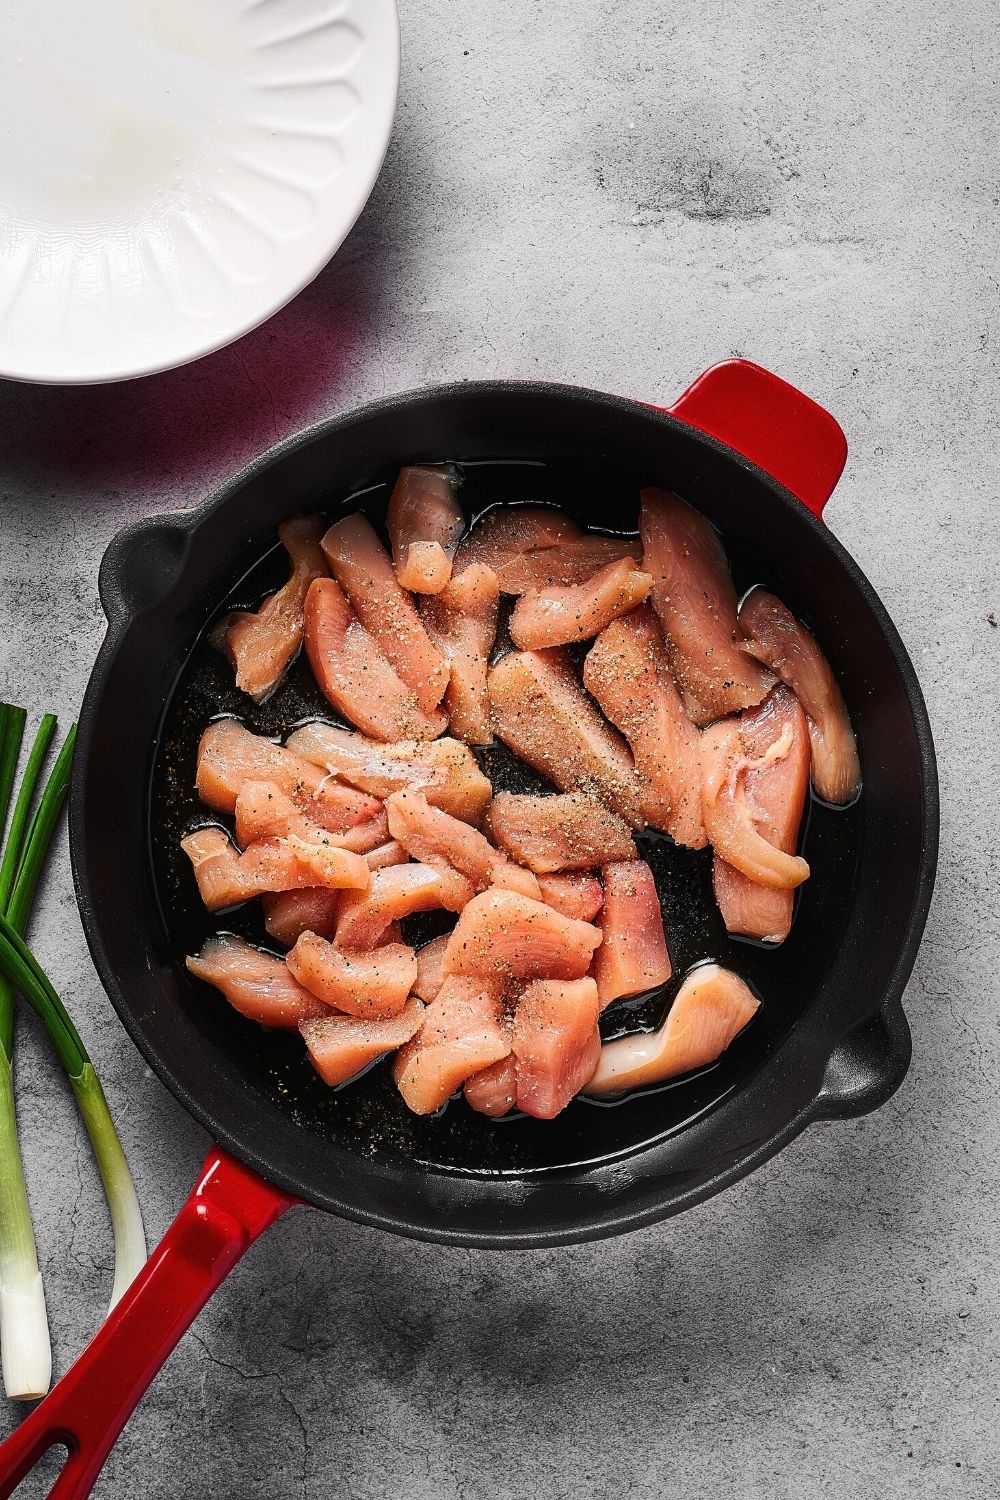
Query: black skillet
x,y
760,459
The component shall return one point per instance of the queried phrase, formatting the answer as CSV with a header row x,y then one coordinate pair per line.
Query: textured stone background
x,y
617,195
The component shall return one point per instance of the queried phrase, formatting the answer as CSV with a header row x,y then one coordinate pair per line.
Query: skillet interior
x,y
598,1168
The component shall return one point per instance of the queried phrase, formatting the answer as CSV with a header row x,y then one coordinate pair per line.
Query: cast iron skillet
x,y
760,459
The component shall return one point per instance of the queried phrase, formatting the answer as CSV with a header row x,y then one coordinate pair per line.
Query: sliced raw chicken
x,y
256,984
633,956
341,1047
364,571
445,770
730,818
543,714
394,893
261,645
462,620
355,675
500,537
505,933
510,877
225,877
288,914
264,811
493,1091
694,598
435,837
430,968
537,547
566,565
712,1007
575,894
570,564
626,670
376,982
776,638
424,522
462,1033
558,615
386,854
556,1043
229,756
775,743
216,866
572,832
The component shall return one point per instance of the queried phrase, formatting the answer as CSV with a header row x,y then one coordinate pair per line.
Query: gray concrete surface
x,y
617,195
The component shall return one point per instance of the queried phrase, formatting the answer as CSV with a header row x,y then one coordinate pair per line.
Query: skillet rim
x,y
853,1089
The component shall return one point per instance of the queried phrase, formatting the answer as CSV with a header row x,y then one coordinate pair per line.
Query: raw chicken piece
x,y
776,638
445,770
556,616
558,833
568,564
730,818
256,984
462,620
430,968
504,933
556,1043
536,547
774,796
633,956
694,598
626,670
436,838
229,756
510,877
225,877
712,1007
462,1033
493,1091
575,894
389,853
396,892
355,675
372,983
427,568
341,1047
216,866
264,811
500,537
263,644
288,914
542,713
362,567
424,522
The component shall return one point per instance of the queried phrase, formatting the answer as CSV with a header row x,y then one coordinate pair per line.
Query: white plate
x,y
174,171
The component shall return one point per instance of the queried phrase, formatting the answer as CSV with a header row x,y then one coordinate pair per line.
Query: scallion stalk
x,y
25,1350
22,808
24,1336
21,967
12,722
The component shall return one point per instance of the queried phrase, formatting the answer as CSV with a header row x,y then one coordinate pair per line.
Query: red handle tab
x,y
229,1207
767,420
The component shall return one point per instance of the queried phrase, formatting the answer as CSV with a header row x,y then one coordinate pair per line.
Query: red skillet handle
x,y
767,420
227,1209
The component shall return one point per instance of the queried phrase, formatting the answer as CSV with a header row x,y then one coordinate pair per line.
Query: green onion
x,y
24,1336
21,967
12,722
22,807
25,1351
